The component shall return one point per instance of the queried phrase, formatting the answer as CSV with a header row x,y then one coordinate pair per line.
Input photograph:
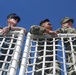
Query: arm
x,y
37,30
19,28
50,32
5,30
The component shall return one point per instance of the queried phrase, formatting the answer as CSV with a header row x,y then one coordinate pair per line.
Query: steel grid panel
x,y
32,62
8,53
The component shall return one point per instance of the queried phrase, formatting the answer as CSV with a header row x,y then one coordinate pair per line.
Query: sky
x,y
33,11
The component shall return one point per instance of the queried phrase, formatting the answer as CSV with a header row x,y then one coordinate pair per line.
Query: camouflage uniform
x,y
49,51
37,30
67,44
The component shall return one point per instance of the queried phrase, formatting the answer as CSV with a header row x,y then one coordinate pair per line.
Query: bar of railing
x,y
24,70
14,47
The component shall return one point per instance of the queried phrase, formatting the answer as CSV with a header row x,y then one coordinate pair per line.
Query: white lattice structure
x,y
35,59
10,51
63,54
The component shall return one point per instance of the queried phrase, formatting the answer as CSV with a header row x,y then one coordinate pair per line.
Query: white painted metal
x,y
25,55
29,68
13,62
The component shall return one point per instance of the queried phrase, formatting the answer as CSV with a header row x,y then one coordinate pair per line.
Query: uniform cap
x,y
66,19
14,16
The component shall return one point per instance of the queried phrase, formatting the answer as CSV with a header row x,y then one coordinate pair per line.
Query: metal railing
x,y
49,55
10,51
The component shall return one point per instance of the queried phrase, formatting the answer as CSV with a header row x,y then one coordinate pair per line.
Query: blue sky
x,y
33,11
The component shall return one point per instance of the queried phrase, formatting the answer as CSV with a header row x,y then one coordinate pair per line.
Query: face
x,y
47,25
12,22
67,24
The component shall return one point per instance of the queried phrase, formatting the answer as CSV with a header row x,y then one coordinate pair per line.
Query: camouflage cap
x,y
66,19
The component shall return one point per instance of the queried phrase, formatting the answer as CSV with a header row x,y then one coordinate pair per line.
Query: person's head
x,y
46,24
67,22
13,19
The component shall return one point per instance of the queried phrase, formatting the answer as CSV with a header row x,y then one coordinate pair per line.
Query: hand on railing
x,y
52,33
5,30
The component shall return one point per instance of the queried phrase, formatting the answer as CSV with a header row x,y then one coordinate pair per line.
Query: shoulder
x,y
73,29
59,30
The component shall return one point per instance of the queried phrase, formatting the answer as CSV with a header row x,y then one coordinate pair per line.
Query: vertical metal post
x,y
17,52
44,56
73,57
25,55
35,57
64,61
54,57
